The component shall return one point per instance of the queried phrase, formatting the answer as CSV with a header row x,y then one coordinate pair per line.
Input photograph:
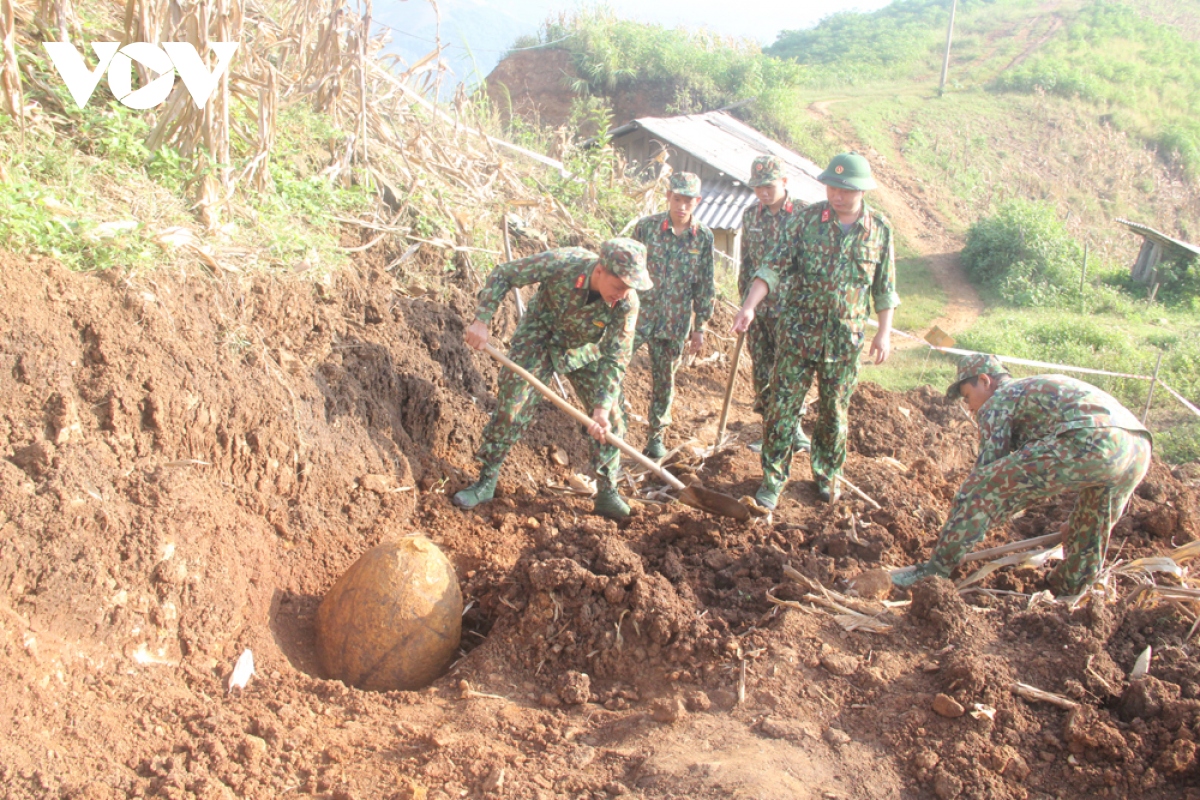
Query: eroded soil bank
x,y
188,464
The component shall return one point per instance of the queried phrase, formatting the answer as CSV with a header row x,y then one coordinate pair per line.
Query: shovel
x,y
737,355
694,496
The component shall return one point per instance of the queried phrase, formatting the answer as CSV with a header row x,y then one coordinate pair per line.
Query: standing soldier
x,y
1041,437
580,324
838,262
765,232
679,258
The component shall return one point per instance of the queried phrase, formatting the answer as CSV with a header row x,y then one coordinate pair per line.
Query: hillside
x,y
233,360
1111,142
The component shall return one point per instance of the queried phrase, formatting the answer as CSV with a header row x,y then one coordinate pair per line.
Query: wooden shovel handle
x,y
737,356
583,418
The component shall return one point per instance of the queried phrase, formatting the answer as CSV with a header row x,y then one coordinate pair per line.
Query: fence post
x,y
1150,395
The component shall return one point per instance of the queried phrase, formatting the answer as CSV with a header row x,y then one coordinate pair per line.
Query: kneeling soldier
x,y
1040,437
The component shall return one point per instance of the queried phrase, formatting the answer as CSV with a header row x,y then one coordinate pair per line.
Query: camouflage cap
x,y
848,171
766,169
972,366
626,258
685,183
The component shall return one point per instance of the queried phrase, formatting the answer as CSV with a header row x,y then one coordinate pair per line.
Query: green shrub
x,y
1024,254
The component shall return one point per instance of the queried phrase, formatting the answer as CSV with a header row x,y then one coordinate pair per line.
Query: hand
x,y
881,346
742,321
600,424
477,334
697,343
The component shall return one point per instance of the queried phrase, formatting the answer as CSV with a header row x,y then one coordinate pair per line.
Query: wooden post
x,y
1153,380
946,58
1153,294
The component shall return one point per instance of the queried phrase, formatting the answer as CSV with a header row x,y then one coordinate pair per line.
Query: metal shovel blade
x,y
713,502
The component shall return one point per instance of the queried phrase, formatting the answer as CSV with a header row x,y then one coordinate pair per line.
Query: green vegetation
x,y
695,71
1141,72
1024,255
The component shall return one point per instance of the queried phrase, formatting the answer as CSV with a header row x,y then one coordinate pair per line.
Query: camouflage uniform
x,y
567,329
682,270
1041,437
764,236
826,284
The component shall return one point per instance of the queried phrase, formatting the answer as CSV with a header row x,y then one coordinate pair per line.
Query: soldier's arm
x,y
522,272
706,290
745,265
641,231
616,348
883,287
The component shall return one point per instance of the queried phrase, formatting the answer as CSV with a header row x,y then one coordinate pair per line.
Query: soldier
x,y
838,262
679,258
580,324
765,232
1040,437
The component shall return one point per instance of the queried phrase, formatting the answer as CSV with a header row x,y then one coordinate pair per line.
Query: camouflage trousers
x,y
760,340
791,379
665,357
1104,465
515,404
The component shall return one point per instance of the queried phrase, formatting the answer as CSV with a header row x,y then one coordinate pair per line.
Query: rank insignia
x,y
825,215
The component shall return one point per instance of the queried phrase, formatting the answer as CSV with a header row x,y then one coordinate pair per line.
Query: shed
x,y
720,149
1155,247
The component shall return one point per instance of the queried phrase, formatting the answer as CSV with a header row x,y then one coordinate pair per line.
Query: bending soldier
x,y
838,262
679,258
580,324
1040,437
766,229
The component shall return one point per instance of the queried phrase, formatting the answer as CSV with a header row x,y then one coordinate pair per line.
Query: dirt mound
x,y
190,463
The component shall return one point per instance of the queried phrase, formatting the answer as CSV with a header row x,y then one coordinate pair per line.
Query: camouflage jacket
x,y
826,281
764,239
1042,407
560,317
682,270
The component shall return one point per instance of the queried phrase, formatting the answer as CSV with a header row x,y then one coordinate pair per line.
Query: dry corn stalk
x,y
10,74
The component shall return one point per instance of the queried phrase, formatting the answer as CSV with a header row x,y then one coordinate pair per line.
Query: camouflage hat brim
x,y
686,184
626,258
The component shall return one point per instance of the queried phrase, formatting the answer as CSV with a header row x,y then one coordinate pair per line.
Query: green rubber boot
x,y
829,490
609,503
655,448
481,491
768,493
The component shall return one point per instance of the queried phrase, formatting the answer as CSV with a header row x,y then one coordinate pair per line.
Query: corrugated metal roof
x,y
723,204
1161,238
729,145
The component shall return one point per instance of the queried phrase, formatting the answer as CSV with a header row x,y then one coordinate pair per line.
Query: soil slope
x,y
189,463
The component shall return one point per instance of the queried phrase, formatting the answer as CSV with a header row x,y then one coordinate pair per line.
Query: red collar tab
x,y
788,206
580,281
667,222
825,215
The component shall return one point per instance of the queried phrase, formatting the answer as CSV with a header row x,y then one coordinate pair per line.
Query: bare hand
x,y
477,334
697,343
742,321
881,346
600,424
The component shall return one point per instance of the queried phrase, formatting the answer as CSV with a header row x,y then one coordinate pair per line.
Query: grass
x,y
59,198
